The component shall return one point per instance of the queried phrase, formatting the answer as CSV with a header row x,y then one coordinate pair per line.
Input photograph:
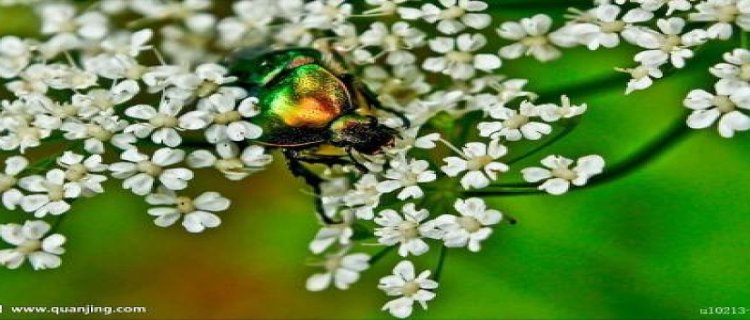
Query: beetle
x,y
309,105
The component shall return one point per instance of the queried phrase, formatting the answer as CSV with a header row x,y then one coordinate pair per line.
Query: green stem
x,y
588,86
652,150
568,129
744,43
380,254
441,262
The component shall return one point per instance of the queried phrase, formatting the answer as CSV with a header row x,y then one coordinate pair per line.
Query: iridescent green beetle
x,y
309,104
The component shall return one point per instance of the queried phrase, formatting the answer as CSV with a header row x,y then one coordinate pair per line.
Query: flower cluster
x,y
136,91
668,33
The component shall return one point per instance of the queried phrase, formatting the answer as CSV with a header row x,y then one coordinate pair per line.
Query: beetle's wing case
x,y
259,66
298,107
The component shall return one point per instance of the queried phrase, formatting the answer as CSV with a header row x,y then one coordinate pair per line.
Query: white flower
x,y
21,135
558,175
394,43
409,287
551,112
98,131
531,37
162,124
333,233
364,197
672,5
126,43
516,124
31,241
225,120
454,17
470,228
82,171
341,270
384,7
14,56
235,165
641,77
197,214
736,69
249,18
103,101
670,44
724,106
404,229
325,14
406,174
205,81
404,86
605,28
459,60
59,18
478,161
723,13
54,190
140,171
11,196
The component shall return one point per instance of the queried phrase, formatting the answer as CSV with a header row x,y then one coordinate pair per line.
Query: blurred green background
x,y
661,243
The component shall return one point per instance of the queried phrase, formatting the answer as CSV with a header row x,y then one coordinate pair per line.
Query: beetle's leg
x,y
312,179
372,99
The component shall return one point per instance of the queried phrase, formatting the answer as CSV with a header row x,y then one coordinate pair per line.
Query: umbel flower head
x,y
142,92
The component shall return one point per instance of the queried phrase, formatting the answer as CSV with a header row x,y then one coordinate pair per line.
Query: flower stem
x,y
441,262
652,150
568,129
380,254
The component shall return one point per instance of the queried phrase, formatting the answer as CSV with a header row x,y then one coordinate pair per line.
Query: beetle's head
x,y
362,133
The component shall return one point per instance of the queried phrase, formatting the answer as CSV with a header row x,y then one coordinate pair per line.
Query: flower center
x,y
98,133
185,205
29,246
536,41
6,182
640,72
29,133
478,163
410,288
469,224
55,192
76,172
149,168
745,72
612,27
391,43
161,120
408,230
206,88
460,56
516,121
727,13
228,117
724,104
332,264
225,165
565,173
388,8
671,43
452,13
